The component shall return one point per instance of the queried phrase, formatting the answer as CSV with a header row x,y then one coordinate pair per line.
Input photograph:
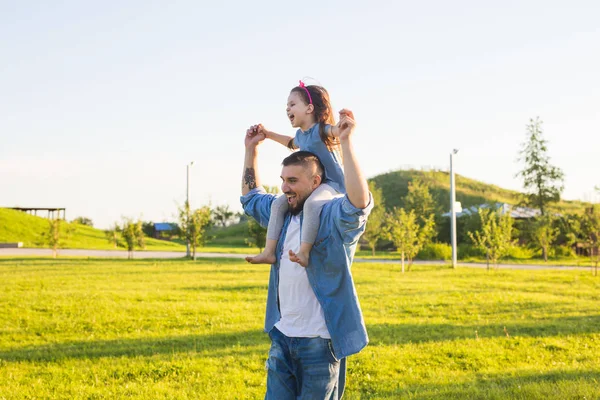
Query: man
x,y
313,316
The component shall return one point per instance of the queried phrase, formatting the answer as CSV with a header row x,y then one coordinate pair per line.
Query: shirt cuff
x,y
258,190
349,208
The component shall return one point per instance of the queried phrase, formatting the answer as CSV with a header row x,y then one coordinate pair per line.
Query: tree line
x,y
418,222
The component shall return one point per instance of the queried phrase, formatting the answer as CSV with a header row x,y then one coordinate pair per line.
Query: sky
x,y
104,104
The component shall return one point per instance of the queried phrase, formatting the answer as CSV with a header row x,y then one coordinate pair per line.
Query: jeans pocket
x,y
331,353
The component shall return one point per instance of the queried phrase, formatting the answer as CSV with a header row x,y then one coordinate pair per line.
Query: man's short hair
x,y
306,159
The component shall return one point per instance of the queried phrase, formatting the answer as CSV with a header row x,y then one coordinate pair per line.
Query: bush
x,y
83,221
466,251
562,251
520,253
435,251
469,251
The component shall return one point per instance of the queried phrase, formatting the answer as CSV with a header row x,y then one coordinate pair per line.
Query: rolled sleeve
x,y
350,209
257,204
351,220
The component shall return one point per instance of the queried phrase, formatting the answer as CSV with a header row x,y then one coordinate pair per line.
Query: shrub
x,y
521,253
469,251
563,251
435,251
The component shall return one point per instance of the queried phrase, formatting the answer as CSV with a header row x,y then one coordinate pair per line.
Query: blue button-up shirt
x,y
341,225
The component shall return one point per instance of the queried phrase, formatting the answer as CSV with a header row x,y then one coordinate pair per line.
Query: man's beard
x,y
297,208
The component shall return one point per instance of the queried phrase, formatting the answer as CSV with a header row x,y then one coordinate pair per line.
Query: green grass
x,y
172,329
17,226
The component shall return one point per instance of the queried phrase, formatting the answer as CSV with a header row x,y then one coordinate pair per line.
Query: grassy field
x,y
172,329
17,226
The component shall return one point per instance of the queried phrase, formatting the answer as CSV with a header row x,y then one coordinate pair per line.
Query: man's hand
x,y
346,125
255,135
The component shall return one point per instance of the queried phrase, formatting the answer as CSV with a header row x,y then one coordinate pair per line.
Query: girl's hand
x,y
263,130
347,124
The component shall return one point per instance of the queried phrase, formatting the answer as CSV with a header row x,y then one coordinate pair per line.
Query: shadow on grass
x,y
386,334
237,343
221,344
236,288
554,385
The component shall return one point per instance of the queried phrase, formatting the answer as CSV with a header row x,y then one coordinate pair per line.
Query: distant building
x,y
53,212
515,212
164,230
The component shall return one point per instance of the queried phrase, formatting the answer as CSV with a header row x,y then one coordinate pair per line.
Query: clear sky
x,y
103,104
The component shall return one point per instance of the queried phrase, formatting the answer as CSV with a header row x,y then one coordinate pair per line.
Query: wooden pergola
x,y
53,212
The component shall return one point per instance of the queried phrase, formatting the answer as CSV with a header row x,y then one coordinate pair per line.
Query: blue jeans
x,y
303,368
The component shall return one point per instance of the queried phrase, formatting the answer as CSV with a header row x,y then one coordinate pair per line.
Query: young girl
x,y
308,109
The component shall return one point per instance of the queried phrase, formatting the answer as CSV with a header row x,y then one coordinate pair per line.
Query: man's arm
x,y
357,187
256,202
250,178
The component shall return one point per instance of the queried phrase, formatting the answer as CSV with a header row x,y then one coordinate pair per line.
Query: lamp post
x,y
187,200
453,209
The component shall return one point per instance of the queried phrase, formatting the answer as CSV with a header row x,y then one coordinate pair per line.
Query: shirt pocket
x,y
324,254
321,243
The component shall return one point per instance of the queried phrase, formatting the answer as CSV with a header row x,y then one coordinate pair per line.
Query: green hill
x,y
469,192
17,226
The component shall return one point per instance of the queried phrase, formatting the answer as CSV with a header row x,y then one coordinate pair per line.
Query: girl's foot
x,y
300,258
262,258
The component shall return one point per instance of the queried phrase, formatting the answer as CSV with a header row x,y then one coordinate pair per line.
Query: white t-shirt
x,y
301,313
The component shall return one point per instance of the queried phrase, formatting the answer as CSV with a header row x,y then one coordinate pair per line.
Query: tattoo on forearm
x,y
250,178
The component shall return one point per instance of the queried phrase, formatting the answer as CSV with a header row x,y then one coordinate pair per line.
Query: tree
x,y
590,230
148,228
544,234
408,236
495,236
193,225
257,234
56,235
420,200
542,181
374,230
569,229
222,215
132,235
83,221
112,234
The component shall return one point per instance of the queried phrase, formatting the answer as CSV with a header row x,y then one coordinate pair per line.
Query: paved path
x,y
180,254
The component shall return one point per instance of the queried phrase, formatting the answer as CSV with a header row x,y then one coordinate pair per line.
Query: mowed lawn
x,y
172,329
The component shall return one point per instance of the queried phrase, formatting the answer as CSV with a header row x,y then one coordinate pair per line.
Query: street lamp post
x,y
187,200
453,209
